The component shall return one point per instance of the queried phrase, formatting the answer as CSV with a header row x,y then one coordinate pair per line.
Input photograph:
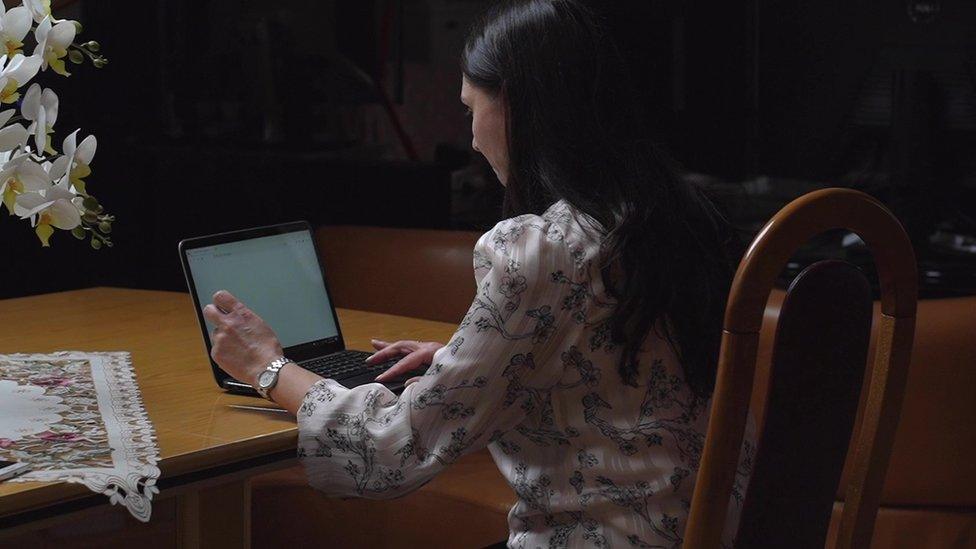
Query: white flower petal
x,y
86,151
29,204
26,70
5,23
62,189
64,214
17,23
15,162
59,168
40,36
12,136
12,64
69,145
63,34
7,63
35,178
49,101
36,8
31,105
7,114
40,131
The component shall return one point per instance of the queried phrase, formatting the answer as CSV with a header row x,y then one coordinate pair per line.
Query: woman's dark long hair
x,y
575,133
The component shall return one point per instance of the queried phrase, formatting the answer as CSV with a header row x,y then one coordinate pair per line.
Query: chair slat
x,y
819,353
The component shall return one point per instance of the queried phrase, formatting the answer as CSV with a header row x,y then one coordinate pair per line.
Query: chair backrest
x,y
800,220
396,271
815,375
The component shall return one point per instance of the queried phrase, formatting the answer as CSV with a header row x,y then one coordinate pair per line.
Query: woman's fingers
x,y
387,353
379,344
406,364
212,314
392,350
411,380
226,301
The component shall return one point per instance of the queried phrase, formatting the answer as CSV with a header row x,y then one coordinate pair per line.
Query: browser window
x,y
277,276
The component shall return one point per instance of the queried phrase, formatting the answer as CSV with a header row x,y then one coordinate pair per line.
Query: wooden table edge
x,y
54,499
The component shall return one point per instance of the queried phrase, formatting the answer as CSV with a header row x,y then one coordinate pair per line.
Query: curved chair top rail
x,y
809,216
802,219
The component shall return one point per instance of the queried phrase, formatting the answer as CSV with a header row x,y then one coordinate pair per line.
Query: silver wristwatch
x,y
269,378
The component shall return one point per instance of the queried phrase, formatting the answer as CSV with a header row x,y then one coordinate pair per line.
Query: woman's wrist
x,y
253,375
293,383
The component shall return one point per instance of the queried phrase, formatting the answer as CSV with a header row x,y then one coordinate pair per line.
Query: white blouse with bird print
x,y
531,373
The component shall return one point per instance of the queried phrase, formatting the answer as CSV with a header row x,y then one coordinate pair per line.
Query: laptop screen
x,y
277,276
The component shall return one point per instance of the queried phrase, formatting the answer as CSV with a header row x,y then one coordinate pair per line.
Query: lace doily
x,y
78,417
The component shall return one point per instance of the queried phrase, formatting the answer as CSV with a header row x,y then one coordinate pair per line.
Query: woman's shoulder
x,y
560,232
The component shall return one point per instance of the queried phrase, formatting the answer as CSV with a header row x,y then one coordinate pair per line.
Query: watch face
x,y
266,378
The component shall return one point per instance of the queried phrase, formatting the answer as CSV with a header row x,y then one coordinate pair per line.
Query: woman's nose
x,y
474,145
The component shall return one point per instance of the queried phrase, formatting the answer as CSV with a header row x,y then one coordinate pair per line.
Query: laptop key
x,y
346,364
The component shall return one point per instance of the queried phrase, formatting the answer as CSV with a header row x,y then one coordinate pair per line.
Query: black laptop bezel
x,y
298,353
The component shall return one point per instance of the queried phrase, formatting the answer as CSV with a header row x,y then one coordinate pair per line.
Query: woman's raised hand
x,y
243,343
416,354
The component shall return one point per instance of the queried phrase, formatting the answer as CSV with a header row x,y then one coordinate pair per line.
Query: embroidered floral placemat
x,y
78,417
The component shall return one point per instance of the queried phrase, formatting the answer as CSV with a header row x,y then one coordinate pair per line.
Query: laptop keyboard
x,y
345,364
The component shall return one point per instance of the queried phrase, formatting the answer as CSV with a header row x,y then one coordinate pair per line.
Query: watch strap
x,y
275,365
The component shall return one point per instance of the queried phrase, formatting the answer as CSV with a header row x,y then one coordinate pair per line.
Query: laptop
x,y
277,272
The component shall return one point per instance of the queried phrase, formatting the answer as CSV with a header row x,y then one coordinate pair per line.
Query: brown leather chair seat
x,y
929,496
929,499
934,458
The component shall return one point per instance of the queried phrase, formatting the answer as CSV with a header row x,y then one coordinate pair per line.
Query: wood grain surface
x,y
195,428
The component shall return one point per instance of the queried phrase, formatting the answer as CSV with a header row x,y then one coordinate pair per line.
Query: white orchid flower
x,y
21,175
15,73
12,136
41,108
53,42
53,207
76,161
14,26
39,9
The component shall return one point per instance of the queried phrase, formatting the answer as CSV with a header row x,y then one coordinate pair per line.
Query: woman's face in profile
x,y
487,126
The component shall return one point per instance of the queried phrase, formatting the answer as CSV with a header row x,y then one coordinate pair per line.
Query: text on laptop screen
x,y
277,277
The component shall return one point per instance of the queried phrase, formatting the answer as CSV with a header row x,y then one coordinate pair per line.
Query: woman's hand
x,y
243,344
415,354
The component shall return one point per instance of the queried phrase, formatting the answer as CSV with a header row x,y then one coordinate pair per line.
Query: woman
x,y
587,359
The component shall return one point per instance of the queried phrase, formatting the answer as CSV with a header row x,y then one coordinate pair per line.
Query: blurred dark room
x,y
848,353
215,116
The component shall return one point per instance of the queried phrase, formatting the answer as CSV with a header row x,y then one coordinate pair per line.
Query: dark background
x,y
223,114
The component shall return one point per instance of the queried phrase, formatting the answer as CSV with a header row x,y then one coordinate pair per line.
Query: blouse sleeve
x,y
368,442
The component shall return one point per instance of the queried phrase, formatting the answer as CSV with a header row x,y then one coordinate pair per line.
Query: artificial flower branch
x,y
38,183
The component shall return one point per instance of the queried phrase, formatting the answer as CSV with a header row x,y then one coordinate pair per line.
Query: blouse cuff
x,y
320,392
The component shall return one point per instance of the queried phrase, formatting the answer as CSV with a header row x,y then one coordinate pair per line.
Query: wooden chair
x,y
799,460
815,374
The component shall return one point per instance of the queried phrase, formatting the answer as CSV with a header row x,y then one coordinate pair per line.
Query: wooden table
x,y
208,450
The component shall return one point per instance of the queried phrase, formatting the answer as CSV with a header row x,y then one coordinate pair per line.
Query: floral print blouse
x,y
531,373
